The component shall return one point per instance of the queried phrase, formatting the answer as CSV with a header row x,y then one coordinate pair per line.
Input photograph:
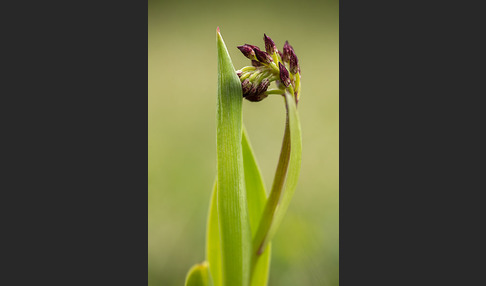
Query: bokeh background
x,y
182,88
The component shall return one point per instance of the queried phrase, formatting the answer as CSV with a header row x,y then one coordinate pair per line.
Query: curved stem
x,y
260,240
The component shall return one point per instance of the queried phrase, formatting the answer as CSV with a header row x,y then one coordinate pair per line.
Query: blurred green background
x,y
182,89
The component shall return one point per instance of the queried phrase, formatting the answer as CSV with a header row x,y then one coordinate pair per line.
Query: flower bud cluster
x,y
269,66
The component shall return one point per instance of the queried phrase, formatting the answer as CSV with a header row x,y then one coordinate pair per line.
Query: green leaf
x,y
234,224
261,267
255,187
199,275
213,246
256,196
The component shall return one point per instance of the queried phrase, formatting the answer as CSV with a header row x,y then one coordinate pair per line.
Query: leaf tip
x,y
218,34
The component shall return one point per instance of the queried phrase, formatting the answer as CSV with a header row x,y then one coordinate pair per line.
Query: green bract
x,y
241,220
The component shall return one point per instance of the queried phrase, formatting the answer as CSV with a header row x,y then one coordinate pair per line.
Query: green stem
x,y
260,241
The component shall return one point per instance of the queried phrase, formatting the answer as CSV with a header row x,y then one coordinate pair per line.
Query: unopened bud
x,y
258,92
293,62
246,86
253,90
263,57
269,45
247,51
256,97
284,74
253,47
286,52
263,86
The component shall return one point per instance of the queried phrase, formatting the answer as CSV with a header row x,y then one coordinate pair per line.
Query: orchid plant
x,y
242,220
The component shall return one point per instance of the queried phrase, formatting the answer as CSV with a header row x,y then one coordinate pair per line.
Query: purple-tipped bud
x,y
256,63
252,90
253,47
263,57
269,45
246,86
256,97
293,62
257,93
247,51
239,73
286,52
263,86
284,74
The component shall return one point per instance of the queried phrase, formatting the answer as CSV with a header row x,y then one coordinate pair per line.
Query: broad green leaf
x,y
199,275
256,197
234,227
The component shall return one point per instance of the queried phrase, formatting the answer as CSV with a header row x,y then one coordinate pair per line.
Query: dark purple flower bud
x,y
263,86
247,51
263,57
246,86
253,47
284,74
269,45
293,62
258,94
286,52
256,63
252,90
239,73
256,97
